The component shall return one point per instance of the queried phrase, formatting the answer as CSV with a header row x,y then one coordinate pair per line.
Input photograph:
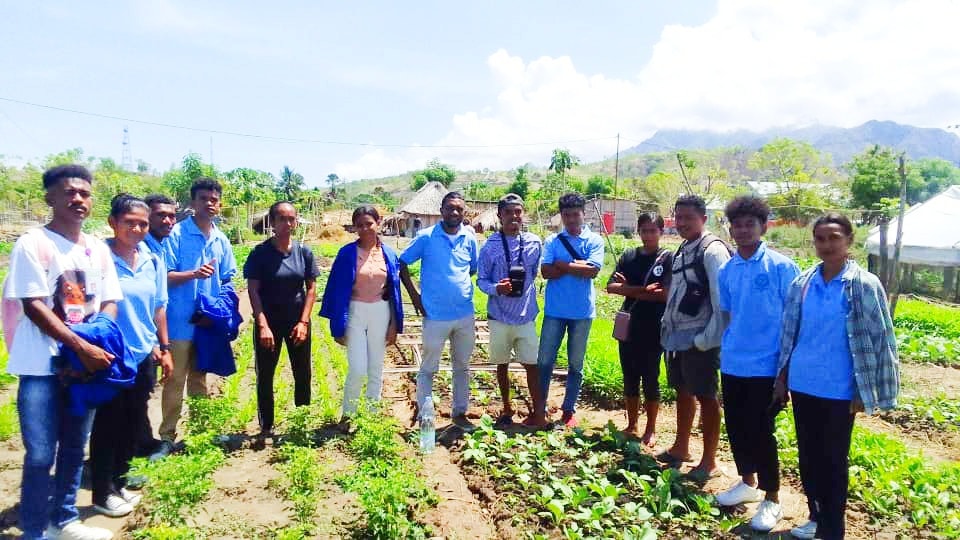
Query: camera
x,y
518,277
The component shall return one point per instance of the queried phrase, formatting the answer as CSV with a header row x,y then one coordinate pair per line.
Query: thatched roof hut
x,y
423,210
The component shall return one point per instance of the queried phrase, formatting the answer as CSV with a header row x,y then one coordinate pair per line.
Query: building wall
x,y
624,215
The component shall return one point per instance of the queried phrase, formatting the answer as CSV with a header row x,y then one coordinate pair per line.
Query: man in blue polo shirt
x,y
163,216
448,252
753,288
571,260
199,260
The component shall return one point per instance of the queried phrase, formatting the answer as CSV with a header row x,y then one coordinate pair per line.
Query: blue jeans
x,y
51,436
551,334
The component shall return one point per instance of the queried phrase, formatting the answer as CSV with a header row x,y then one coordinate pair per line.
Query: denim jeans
x,y
51,436
551,334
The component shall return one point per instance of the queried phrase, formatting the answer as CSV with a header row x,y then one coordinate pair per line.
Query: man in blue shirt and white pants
x,y
753,288
448,252
199,260
571,260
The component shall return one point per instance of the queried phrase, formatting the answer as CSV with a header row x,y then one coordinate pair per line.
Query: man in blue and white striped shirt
x,y
512,309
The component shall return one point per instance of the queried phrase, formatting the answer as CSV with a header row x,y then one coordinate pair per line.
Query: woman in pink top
x,y
362,301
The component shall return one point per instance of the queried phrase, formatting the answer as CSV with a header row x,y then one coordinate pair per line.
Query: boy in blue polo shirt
x,y
753,288
571,260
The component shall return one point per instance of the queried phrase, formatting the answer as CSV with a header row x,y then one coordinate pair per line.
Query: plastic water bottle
x,y
428,429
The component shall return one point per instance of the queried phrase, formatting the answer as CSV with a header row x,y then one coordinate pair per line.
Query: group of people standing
x,y
746,318
749,322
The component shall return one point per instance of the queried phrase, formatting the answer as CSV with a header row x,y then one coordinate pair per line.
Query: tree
x,y
562,161
936,174
599,185
290,184
874,177
520,184
333,181
434,172
799,170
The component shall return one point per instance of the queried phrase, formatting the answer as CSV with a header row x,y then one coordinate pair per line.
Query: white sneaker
x,y
131,497
739,494
767,517
807,531
114,506
78,531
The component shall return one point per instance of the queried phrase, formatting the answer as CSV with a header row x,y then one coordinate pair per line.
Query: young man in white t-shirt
x,y
63,277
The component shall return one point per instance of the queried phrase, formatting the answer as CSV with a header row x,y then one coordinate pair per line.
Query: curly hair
x,y
572,200
748,205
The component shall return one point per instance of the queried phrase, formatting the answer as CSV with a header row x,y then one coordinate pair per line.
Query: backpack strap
x,y
566,244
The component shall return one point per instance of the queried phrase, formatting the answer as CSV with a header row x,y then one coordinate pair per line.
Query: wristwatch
x,y
164,347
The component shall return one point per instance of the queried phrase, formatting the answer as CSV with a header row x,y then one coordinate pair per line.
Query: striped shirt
x,y
493,267
869,327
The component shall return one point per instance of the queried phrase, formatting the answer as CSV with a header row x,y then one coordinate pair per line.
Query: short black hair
x,y
571,200
694,201
124,203
650,217
158,198
272,212
54,175
205,183
748,205
838,218
365,210
450,196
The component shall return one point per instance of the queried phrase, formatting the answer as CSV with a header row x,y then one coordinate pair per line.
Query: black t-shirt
x,y
282,277
636,265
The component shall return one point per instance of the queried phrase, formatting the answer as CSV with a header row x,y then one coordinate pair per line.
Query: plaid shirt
x,y
869,329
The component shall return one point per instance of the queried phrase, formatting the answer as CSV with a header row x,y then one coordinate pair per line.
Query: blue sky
x,y
494,76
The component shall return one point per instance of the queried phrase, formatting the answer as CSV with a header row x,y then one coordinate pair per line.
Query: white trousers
x,y
367,327
462,336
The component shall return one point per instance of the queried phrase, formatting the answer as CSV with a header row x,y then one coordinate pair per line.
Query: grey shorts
x,y
695,371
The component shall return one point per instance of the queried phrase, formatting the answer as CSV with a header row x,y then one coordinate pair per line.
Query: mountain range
x,y
840,143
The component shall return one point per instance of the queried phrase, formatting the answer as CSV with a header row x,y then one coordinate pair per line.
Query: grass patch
x,y
9,422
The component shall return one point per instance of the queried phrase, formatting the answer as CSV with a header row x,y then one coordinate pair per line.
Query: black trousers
x,y
117,426
824,427
145,442
750,428
266,361
640,362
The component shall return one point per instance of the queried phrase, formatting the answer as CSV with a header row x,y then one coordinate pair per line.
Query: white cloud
x,y
754,65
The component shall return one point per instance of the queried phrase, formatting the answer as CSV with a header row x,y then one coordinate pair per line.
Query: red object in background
x,y
669,223
607,222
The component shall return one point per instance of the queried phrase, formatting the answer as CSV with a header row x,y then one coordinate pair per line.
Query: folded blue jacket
x,y
103,385
212,341
339,289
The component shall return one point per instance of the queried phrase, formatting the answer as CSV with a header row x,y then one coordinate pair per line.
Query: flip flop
x,y
701,476
504,421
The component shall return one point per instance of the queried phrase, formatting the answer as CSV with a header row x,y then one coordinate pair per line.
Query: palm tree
x,y
290,185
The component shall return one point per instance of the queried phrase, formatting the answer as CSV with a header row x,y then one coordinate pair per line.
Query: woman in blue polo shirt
x,y
834,370
141,316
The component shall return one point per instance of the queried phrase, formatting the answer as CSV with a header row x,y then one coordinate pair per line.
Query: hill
x,y
840,143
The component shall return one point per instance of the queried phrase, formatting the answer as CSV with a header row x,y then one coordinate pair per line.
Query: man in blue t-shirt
x,y
199,260
571,260
448,252
753,288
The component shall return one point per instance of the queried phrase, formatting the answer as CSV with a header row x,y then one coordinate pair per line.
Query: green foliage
x,y
579,486
938,412
562,161
385,479
791,163
164,532
896,485
290,185
303,482
435,171
599,185
928,318
208,414
9,421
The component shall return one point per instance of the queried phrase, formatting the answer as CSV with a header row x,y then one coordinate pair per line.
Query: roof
x,y
488,218
930,233
427,200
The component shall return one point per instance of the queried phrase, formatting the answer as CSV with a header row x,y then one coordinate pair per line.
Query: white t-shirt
x,y
82,275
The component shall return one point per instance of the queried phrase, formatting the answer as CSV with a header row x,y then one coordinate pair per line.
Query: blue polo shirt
x,y
753,291
821,364
157,247
569,296
445,270
188,249
144,291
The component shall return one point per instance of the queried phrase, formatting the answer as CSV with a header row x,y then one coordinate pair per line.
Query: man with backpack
x,y
61,277
571,261
692,329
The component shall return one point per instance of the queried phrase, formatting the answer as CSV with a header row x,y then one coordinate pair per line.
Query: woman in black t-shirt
x,y
643,277
281,278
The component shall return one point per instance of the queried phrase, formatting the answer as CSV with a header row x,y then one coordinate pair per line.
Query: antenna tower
x,y
126,158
